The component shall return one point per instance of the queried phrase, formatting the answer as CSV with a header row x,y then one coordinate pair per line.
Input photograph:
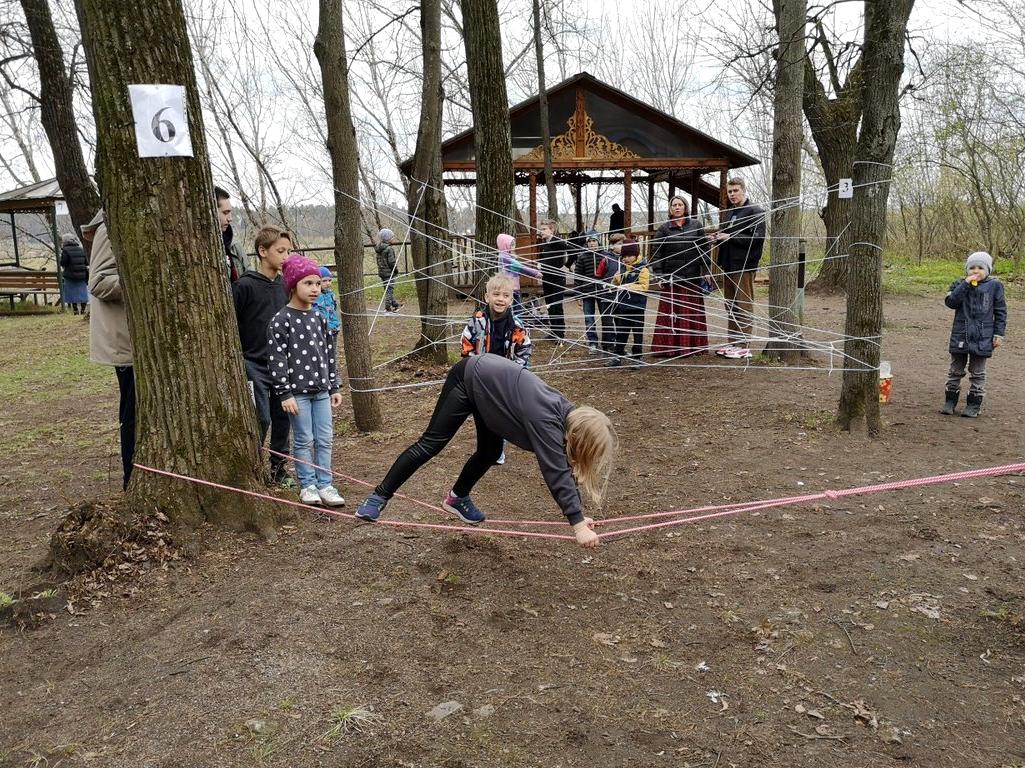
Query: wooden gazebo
x,y
595,127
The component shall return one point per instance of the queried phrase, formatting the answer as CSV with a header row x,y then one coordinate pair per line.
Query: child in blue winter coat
x,y
326,304
980,321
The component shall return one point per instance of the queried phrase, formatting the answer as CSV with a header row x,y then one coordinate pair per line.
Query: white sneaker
x,y
738,353
331,496
592,348
309,495
725,351
501,459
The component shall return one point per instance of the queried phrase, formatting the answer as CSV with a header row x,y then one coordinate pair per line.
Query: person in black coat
x,y
617,221
741,239
980,322
551,258
74,266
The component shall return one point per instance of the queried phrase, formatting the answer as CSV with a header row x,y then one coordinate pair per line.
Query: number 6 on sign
x,y
161,123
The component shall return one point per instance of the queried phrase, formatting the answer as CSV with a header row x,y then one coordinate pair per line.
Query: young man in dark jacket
x,y
551,258
980,322
741,238
235,256
259,293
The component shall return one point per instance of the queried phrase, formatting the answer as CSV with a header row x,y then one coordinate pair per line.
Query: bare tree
x,y
195,416
883,62
787,135
426,194
57,113
329,48
546,130
492,140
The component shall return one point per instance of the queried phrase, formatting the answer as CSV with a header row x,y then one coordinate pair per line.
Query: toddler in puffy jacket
x,y
980,321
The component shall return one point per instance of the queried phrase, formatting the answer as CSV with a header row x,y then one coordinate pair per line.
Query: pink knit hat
x,y
506,242
297,267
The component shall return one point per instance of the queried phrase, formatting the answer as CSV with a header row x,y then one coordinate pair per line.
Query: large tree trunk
x,y
787,135
329,48
546,128
492,138
57,114
195,413
834,127
427,197
883,58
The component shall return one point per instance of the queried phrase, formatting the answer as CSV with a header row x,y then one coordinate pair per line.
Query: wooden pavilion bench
x,y
23,283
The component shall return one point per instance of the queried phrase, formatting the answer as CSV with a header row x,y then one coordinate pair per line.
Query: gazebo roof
x,y
596,126
31,197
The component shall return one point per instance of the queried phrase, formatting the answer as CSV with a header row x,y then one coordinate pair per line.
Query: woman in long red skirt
x,y
680,258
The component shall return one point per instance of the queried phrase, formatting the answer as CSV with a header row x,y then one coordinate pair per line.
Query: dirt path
x,y
862,632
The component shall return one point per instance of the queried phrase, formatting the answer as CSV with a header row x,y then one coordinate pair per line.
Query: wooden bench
x,y
23,283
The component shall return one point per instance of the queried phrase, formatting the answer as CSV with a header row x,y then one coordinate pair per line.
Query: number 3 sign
x,y
161,125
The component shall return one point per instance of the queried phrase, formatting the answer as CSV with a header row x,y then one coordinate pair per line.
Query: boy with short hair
x,y
551,258
386,268
258,295
496,329
980,322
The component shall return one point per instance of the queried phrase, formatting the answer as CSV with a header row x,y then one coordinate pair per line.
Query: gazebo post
x,y
694,193
56,253
14,235
532,223
579,205
627,199
651,200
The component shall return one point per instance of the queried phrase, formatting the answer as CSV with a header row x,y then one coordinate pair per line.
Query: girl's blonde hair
x,y
591,444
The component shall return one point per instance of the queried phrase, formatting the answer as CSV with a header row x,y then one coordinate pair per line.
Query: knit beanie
x,y
297,267
325,273
505,242
386,235
631,250
591,235
980,259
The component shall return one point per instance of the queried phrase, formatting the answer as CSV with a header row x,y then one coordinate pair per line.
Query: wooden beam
x,y
532,222
651,203
580,139
651,164
578,204
627,199
694,176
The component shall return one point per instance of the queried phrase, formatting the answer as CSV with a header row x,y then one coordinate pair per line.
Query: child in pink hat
x,y
304,374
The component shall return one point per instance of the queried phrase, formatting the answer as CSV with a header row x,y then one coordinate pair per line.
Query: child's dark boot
x,y
974,406
951,402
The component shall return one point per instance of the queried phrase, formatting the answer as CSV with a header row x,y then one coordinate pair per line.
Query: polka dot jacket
x,y
302,353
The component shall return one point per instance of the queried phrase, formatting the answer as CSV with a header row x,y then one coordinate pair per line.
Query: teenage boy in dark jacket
x,y
741,238
551,258
980,322
259,293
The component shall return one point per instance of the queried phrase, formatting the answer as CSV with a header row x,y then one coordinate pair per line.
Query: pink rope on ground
x,y
349,515
365,484
733,509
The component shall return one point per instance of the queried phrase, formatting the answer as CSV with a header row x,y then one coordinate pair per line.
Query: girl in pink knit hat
x,y
304,375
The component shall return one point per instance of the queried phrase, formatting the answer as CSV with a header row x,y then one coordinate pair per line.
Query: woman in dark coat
x,y
75,271
679,259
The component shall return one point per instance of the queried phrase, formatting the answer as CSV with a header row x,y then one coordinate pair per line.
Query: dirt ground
x,y
875,631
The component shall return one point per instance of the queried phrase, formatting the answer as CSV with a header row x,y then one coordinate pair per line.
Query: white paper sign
x,y
161,126
60,208
845,189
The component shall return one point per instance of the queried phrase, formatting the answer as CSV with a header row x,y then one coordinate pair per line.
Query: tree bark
x,y
883,59
546,128
57,115
329,48
787,136
834,128
492,137
195,413
427,197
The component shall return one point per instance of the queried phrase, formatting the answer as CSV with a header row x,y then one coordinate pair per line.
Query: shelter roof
x,y
40,194
594,125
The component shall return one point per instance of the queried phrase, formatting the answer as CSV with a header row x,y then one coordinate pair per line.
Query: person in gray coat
x,y
574,445
980,322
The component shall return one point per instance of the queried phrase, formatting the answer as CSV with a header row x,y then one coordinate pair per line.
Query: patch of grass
x,y
351,719
40,354
903,276
6,601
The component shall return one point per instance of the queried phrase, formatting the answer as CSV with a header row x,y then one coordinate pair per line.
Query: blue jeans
x,y
311,439
590,307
